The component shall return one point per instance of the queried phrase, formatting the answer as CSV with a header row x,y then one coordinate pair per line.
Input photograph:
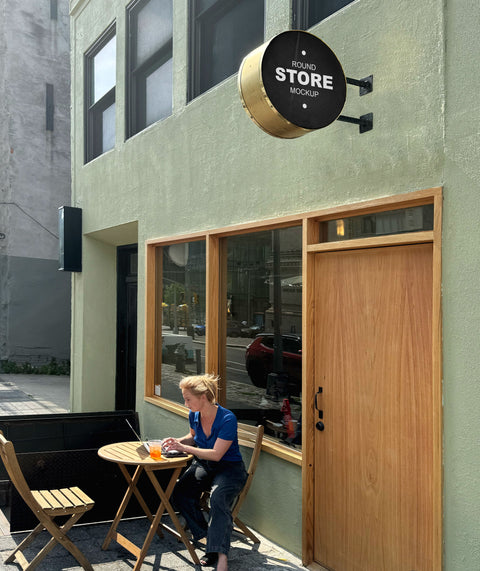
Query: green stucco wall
x,y
461,289
209,166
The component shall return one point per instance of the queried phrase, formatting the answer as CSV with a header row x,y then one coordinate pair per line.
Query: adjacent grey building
x,y
34,179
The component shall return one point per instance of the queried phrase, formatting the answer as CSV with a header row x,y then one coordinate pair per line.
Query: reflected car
x,y
259,360
251,331
234,329
198,329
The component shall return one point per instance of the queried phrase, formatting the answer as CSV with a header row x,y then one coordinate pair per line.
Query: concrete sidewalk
x,y
40,394
164,554
34,394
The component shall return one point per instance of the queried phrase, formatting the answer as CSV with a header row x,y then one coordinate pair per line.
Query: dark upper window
x,y
49,107
53,9
223,33
149,79
100,79
307,13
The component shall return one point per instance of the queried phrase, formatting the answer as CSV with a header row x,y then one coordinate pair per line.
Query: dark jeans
x,y
224,480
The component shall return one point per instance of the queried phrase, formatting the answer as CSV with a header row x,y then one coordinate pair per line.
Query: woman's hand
x,y
173,444
187,444
179,444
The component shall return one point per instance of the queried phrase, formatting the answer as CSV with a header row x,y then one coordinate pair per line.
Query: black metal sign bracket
x,y
364,122
365,84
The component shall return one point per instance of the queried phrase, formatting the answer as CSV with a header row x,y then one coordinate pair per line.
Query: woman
x,y
218,466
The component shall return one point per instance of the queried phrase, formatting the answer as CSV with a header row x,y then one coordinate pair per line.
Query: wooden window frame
x,y
216,288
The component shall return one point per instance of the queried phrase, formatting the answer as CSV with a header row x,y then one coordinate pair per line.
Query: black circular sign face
x,y
303,79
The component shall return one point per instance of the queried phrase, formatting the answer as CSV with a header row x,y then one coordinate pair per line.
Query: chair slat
x,y
77,497
82,495
63,499
46,499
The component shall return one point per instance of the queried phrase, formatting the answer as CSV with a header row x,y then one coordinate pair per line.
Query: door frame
x,y
312,246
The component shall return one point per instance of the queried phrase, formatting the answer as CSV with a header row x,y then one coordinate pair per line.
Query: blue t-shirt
x,y
224,427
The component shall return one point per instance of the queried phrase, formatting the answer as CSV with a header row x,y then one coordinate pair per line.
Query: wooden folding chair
x,y
251,437
46,505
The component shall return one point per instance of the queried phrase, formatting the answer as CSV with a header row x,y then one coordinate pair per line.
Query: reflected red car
x,y
259,360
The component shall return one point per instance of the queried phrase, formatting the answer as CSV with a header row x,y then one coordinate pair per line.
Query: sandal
x,y
209,559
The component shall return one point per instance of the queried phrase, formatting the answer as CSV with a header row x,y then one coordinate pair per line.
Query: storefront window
x,y
182,305
254,333
263,312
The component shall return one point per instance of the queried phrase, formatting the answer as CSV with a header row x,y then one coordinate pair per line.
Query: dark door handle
x,y
319,426
320,391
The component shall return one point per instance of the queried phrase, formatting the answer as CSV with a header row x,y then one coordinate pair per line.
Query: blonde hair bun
x,y
201,385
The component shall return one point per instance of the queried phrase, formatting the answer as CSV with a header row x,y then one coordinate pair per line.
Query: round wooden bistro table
x,y
135,454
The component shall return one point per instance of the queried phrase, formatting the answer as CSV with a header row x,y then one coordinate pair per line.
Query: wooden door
x,y
373,491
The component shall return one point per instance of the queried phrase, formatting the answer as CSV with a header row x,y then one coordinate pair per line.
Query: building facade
x,y
34,180
330,280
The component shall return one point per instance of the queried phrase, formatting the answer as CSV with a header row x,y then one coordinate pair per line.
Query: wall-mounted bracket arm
x,y
365,84
364,122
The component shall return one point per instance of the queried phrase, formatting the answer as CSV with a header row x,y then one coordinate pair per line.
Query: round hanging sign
x,y
292,85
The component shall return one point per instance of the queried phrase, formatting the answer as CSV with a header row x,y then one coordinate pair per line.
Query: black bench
x,y
60,450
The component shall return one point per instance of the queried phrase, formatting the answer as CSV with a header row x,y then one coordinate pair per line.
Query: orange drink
x,y
155,449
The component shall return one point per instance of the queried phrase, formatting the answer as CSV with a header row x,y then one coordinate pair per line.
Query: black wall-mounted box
x,y
70,235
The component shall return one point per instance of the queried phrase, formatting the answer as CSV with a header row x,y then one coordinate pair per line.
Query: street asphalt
x,y
40,394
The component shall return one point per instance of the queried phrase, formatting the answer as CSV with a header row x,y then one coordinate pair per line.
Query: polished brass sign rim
x,y
257,103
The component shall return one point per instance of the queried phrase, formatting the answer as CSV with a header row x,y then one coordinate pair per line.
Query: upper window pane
x,y
263,329
182,299
307,13
104,70
224,32
150,67
154,28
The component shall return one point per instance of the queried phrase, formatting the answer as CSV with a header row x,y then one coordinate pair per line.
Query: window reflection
x,y
108,128
263,313
307,13
223,32
100,71
159,93
183,316
415,219
149,63
104,70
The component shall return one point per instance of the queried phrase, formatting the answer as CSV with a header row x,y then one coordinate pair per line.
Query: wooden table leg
x,y
158,515
165,505
132,484
137,493
155,525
